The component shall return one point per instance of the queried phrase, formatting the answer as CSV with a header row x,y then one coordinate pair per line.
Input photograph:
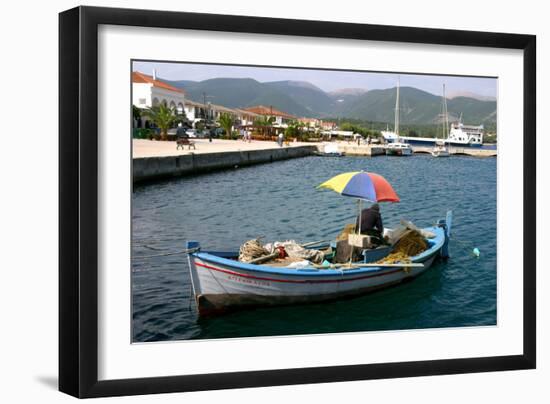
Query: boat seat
x,y
375,254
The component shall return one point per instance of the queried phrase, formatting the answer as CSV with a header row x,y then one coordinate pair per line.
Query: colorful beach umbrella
x,y
363,185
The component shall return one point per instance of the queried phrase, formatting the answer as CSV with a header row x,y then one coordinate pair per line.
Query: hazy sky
x,y
327,80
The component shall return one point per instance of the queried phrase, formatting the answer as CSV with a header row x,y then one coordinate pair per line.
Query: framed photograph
x,y
251,202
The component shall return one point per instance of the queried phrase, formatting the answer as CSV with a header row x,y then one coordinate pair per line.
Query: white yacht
x,y
460,135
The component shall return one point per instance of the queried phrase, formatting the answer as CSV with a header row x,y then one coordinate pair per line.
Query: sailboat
x,y
440,149
396,147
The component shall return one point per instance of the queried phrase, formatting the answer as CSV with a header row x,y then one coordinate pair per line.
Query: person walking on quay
x,y
280,139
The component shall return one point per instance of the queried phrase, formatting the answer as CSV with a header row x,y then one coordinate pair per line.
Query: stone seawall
x,y
150,168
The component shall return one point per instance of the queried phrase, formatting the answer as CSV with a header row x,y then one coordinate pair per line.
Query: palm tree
x,y
164,118
136,114
226,122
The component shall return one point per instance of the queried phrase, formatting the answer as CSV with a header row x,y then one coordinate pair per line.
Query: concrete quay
x,y
191,162
363,150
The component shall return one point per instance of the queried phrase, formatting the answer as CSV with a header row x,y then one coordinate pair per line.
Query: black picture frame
x,y
78,201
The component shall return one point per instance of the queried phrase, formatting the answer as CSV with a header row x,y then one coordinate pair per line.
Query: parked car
x,y
192,133
217,132
202,134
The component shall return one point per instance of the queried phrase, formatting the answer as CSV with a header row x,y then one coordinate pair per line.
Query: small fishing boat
x,y
220,282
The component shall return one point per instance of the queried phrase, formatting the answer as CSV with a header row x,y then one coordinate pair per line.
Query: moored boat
x,y
399,149
396,146
220,282
440,149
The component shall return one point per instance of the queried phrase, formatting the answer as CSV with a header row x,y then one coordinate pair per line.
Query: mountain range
x,y
304,99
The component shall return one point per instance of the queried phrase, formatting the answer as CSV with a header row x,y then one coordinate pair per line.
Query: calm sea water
x,y
279,201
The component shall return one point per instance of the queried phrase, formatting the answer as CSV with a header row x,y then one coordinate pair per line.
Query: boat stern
x,y
446,225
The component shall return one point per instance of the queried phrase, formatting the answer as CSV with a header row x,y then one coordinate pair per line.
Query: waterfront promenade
x,y
154,148
156,160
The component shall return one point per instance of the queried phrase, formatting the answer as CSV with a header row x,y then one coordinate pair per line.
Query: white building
x,y
195,111
246,118
281,118
148,91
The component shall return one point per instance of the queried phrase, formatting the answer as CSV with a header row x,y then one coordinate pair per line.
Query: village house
x,y
196,111
311,122
327,125
246,118
149,91
281,118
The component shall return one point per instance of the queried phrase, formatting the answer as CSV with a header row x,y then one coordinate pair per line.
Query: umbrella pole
x,y
360,211
356,231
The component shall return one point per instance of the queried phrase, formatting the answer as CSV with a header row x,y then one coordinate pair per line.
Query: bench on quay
x,y
184,141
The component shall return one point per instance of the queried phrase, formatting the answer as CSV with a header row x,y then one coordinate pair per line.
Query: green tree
x,y
264,122
136,113
295,129
226,122
164,118
356,128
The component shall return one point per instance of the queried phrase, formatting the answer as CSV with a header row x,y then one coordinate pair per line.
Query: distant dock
x,y
459,151
379,150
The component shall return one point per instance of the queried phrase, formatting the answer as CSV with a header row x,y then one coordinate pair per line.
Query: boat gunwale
x,y
310,271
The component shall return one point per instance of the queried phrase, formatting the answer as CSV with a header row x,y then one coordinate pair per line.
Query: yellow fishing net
x,y
411,244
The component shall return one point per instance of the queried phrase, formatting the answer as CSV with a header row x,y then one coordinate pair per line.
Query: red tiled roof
x,y
138,77
260,109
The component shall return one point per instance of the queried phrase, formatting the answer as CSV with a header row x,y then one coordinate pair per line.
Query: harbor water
x,y
279,201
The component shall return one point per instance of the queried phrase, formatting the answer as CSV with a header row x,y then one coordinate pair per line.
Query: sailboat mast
x,y
446,113
396,123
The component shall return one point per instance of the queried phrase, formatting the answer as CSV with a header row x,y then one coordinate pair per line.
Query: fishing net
x,y
252,249
409,245
348,228
296,251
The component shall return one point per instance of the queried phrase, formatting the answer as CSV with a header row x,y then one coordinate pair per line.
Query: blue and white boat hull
x,y
220,282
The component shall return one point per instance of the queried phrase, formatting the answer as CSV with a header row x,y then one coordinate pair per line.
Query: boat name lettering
x,y
248,280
